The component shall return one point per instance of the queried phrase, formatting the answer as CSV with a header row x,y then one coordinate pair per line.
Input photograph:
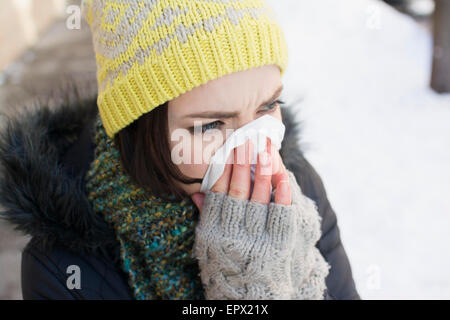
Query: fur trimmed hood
x,y
44,155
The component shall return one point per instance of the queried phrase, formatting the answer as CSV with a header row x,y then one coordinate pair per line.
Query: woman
x,y
112,216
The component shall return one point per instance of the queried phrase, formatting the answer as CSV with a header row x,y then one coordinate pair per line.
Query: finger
x,y
278,169
223,183
241,176
263,178
273,152
283,193
198,198
279,173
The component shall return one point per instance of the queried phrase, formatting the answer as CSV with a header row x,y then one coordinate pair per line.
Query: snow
x,y
378,136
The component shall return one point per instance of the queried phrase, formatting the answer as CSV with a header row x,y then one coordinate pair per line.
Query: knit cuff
x,y
308,217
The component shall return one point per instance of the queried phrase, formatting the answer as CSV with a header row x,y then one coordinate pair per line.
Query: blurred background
x,y
371,81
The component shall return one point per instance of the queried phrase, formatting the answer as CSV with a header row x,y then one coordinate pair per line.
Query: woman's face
x,y
207,114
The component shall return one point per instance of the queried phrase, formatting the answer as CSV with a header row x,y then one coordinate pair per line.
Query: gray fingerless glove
x,y
248,250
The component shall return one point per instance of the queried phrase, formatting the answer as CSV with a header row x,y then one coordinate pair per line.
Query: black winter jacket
x,y
44,155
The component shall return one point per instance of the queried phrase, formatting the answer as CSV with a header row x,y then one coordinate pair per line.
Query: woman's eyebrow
x,y
227,115
214,114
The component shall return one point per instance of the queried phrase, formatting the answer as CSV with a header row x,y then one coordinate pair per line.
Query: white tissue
x,y
257,131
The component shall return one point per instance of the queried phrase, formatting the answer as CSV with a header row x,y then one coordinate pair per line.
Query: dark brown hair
x,y
146,155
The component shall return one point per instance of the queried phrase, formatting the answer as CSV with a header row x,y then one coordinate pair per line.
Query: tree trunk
x,y
440,79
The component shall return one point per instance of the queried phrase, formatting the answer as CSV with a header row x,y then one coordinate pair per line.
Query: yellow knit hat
x,y
150,51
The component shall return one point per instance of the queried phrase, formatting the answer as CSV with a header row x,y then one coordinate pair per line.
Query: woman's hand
x,y
236,179
244,243
251,248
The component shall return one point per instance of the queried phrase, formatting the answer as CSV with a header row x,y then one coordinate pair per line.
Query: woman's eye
x,y
273,105
210,126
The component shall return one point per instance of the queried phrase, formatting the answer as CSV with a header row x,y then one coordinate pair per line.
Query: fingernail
x,y
269,146
250,151
265,164
283,186
264,158
240,154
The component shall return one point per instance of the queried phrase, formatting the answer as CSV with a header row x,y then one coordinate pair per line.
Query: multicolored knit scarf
x,y
156,236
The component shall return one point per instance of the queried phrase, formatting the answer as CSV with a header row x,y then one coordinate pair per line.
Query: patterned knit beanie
x,y
151,51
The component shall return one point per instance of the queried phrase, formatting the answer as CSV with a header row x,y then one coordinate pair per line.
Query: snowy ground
x,y
379,138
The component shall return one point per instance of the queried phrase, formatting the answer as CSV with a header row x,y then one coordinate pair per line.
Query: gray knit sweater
x,y
248,250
